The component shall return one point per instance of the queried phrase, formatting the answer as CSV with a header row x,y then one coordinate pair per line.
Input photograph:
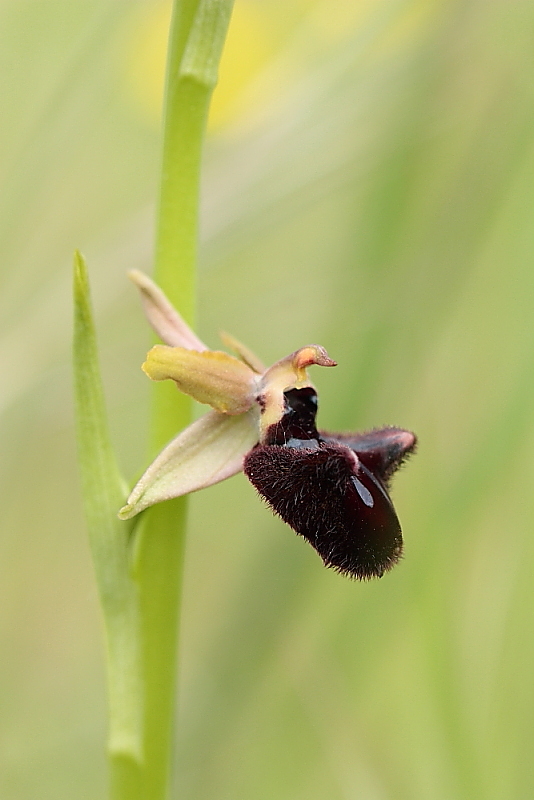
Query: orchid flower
x,y
332,489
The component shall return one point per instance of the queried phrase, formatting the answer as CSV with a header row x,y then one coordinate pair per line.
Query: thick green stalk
x,y
197,35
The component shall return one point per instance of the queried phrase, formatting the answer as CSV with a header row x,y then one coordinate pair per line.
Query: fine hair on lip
x,y
333,491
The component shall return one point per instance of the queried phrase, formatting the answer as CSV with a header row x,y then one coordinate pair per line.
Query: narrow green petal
x,y
211,377
245,354
103,490
205,453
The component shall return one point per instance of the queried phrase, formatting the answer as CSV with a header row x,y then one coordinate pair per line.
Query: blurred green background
x,y
368,185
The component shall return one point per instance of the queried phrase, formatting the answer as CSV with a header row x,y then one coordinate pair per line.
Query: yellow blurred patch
x,y
259,31
145,53
249,45
411,22
337,21
251,42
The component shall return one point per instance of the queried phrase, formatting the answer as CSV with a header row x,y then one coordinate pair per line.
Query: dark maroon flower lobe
x,y
333,490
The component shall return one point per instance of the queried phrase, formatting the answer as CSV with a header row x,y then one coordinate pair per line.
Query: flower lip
x,y
382,450
333,495
329,500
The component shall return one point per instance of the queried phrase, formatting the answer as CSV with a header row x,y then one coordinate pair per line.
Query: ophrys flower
x,y
332,489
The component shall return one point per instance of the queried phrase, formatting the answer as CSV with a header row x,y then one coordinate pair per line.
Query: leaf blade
x,y
103,491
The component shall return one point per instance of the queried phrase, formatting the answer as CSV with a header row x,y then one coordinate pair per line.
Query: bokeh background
x,y
368,185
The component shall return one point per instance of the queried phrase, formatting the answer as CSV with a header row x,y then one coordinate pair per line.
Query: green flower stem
x,y
198,30
139,569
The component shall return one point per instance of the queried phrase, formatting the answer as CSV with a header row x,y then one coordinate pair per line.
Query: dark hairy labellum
x,y
333,489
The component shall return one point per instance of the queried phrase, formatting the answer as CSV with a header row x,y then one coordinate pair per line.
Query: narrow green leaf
x,y
103,493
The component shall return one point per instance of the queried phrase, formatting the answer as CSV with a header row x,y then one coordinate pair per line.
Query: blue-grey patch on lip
x,y
363,491
376,482
303,444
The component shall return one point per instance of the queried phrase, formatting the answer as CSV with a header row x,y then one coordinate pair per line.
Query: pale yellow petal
x,y
207,452
211,377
